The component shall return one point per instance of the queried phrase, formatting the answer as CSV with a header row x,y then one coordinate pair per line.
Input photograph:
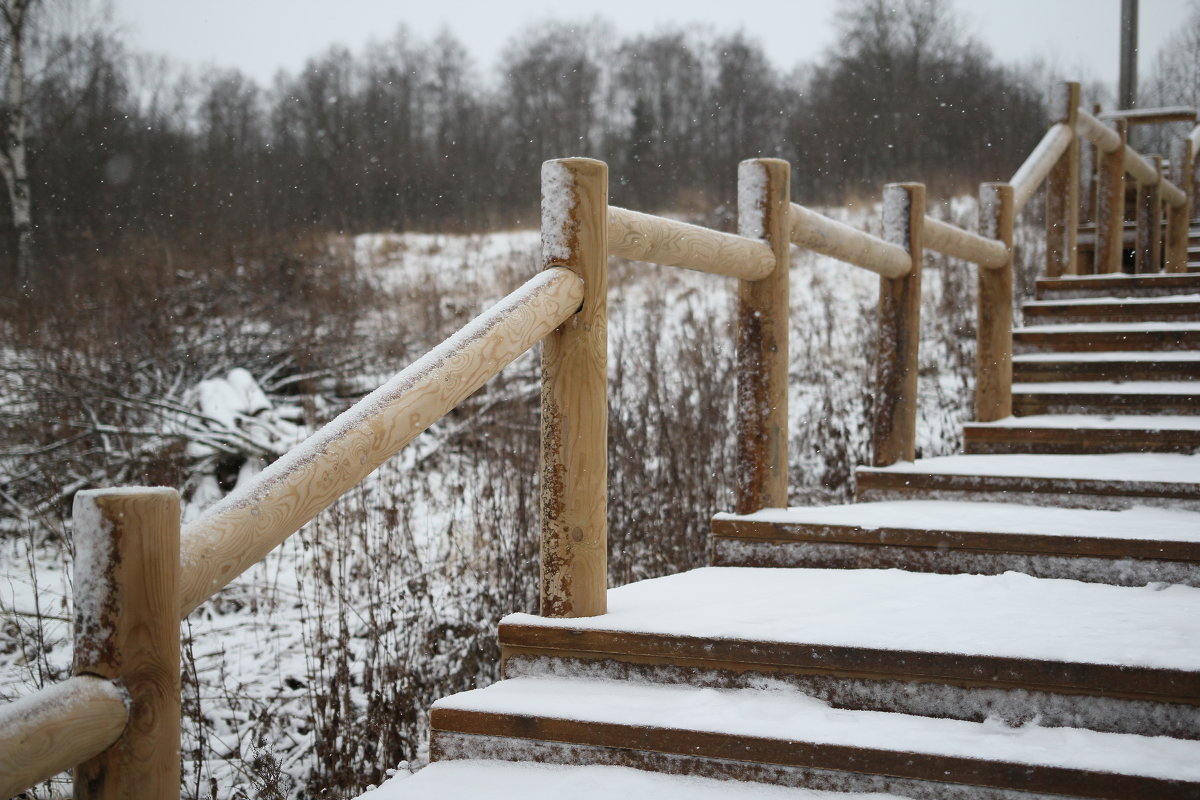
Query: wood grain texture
x,y
1179,216
574,502
894,421
762,341
643,237
1062,191
1148,250
127,629
1037,165
237,532
1110,206
828,237
993,308
53,730
955,242
1102,136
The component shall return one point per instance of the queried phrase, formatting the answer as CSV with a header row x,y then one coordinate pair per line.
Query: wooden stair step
x,y
1106,397
1071,481
1178,365
1084,433
1126,547
506,780
1107,336
1116,285
1174,308
638,724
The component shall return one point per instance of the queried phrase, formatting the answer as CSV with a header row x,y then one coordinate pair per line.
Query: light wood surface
x,y
994,302
828,237
1062,190
1029,175
574,503
1171,194
1140,168
1148,250
58,727
1179,216
894,423
127,629
237,532
762,340
643,237
955,242
1153,116
1110,205
1105,138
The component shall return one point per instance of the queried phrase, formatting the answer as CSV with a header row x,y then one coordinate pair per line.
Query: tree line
x,y
408,134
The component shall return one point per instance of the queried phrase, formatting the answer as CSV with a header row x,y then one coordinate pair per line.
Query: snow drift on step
x,y
1010,615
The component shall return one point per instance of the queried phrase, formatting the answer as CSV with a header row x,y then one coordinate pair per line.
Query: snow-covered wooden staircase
x,y
987,625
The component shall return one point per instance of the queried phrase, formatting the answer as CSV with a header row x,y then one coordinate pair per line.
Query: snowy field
x,y
317,667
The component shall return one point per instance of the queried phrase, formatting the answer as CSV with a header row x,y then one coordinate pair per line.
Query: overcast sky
x,y
262,36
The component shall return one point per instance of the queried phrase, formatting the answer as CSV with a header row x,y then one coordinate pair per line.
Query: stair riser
x,y
1052,371
973,703
1030,404
1132,286
1066,314
991,441
445,745
730,552
1088,341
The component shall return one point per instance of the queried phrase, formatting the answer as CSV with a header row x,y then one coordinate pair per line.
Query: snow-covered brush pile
x,y
311,675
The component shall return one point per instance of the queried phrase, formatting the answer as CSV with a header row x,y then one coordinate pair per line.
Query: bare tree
x,y
14,147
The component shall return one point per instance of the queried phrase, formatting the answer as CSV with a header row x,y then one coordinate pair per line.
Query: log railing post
x,y
127,630
1089,162
993,331
894,425
574,513
1110,206
764,202
1148,250
1179,217
1062,190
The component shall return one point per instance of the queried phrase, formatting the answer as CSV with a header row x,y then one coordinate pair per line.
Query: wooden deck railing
x,y
137,574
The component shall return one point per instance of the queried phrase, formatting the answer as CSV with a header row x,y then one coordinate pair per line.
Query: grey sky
x,y
1080,37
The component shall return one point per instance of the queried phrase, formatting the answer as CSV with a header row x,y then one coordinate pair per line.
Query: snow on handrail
x,y
644,237
955,242
1037,166
1107,141
831,238
239,531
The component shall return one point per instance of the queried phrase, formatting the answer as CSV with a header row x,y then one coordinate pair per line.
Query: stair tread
x,y
786,719
1107,355
1109,327
1115,467
1110,300
1139,523
1168,388
508,780
1009,616
1093,422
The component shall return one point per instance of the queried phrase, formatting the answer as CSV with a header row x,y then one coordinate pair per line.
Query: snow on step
x,y
507,780
1146,467
1146,422
1109,387
790,716
1114,300
1110,327
1010,615
1108,355
1139,522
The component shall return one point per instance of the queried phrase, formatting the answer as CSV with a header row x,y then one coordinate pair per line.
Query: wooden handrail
x,y
240,530
1195,137
644,237
1143,116
57,728
955,242
1107,140
837,240
1037,166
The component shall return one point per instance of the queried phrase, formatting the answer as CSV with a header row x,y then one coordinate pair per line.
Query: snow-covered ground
x,y
321,661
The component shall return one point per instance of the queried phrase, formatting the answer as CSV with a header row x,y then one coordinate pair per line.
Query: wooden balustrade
x,y
1029,176
643,237
764,191
955,242
57,728
1062,189
574,508
1143,116
994,308
1179,216
1148,247
831,238
239,530
1110,202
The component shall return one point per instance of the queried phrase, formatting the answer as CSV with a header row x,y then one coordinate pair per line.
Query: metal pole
x,y
1129,48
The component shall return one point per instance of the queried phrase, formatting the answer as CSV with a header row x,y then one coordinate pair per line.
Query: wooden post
x,y
1148,252
575,395
764,203
894,427
1062,190
1110,206
127,629
1089,161
1179,217
993,331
